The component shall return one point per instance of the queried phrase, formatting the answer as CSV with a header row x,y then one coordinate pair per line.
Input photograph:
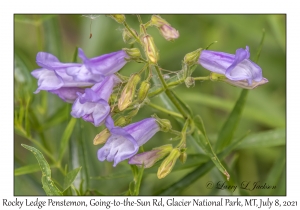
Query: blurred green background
x,y
44,117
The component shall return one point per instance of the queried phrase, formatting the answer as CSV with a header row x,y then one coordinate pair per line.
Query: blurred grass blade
x,y
27,169
184,106
190,178
47,182
58,117
70,177
270,138
226,134
275,174
75,55
66,137
202,140
52,36
260,46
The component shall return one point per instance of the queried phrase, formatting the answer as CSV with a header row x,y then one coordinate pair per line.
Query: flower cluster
x,y
89,86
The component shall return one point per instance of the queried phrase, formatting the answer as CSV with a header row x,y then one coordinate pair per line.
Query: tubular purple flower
x,y
68,94
124,142
93,105
235,67
54,75
94,69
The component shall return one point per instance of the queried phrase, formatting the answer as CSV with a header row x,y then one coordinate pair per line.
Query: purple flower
x,y
234,67
124,142
93,105
68,94
55,75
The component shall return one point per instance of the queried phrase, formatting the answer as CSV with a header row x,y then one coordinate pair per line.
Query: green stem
x,y
169,94
132,33
202,78
175,114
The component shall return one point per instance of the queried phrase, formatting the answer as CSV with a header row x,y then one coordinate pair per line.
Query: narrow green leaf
x,y
47,182
182,104
75,55
65,138
260,46
190,178
226,134
202,140
275,174
70,177
27,169
270,138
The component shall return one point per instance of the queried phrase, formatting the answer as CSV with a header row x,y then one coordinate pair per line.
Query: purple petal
x,y
49,61
68,94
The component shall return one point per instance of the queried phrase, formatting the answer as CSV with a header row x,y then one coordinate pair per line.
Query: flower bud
x,y
183,157
101,137
192,57
189,81
127,36
165,29
167,165
128,92
118,18
148,159
143,92
122,121
133,53
150,48
164,124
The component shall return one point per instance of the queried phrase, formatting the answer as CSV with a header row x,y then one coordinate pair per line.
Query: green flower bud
x,y
118,18
167,165
133,53
101,137
143,92
150,48
128,92
183,157
192,57
122,121
157,21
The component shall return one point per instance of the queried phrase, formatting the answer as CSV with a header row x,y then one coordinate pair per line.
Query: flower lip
x,y
124,142
234,67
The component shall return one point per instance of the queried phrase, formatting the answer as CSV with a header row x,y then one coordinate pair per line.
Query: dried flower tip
x,y
127,36
150,48
101,137
167,165
128,92
189,81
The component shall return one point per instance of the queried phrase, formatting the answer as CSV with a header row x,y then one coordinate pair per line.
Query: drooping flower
x,y
55,75
124,142
93,105
235,67
166,30
149,158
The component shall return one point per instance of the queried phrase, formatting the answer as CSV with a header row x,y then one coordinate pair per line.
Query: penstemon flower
x,y
55,75
235,67
93,105
124,142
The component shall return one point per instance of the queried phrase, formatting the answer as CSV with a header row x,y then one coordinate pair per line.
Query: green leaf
x,y
70,177
184,106
270,138
48,184
202,140
27,169
65,138
226,134
197,173
275,174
